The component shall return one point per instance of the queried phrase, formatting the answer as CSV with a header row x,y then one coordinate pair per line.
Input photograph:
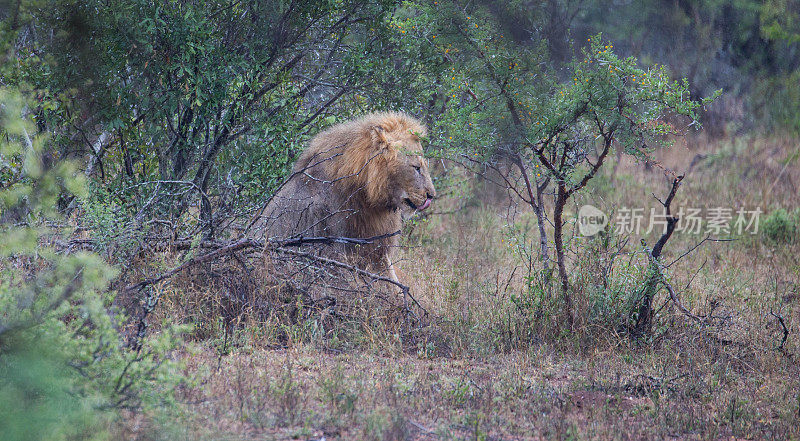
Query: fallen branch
x,y
235,246
186,244
279,246
405,289
422,428
329,240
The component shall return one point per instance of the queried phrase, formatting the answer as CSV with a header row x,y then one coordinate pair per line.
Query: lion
x,y
357,179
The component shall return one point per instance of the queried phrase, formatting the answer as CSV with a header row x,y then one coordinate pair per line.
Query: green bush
x,y
39,400
64,368
781,226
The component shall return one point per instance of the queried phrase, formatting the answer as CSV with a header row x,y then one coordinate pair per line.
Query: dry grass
x,y
484,364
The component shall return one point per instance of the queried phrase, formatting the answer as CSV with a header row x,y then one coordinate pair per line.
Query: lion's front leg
x,y
393,276
390,268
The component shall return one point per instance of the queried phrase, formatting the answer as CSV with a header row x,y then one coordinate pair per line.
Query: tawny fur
x,y
354,180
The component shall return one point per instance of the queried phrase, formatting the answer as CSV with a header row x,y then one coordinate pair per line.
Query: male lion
x,y
355,180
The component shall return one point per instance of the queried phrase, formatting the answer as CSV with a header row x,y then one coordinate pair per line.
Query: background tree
x,y
610,104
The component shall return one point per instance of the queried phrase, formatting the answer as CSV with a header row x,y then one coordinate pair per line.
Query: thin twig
x,y
290,242
785,330
238,245
706,239
329,240
677,301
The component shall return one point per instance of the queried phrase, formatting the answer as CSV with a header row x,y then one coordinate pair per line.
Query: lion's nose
x,y
431,196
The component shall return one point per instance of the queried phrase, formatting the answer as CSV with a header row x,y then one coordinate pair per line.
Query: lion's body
x,y
353,181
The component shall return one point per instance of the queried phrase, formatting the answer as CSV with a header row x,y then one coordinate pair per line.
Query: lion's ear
x,y
378,135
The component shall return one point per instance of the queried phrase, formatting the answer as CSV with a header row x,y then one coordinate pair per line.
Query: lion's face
x,y
411,186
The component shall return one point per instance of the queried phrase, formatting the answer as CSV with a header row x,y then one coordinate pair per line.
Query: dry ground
x,y
485,367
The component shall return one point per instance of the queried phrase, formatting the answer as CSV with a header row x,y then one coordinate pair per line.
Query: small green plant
x,y
460,391
288,394
474,421
781,226
385,425
426,350
337,393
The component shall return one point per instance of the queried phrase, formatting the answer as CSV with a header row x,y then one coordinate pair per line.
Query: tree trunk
x,y
540,219
561,201
644,316
538,208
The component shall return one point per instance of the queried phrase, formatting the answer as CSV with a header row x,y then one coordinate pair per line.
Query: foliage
x,y
480,73
64,369
743,47
780,20
38,400
611,96
183,103
781,93
493,87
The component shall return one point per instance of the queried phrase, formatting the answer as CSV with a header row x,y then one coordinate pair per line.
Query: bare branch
x,y
405,289
706,239
237,245
672,221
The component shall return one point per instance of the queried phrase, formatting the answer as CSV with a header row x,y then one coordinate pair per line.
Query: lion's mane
x,y
342,184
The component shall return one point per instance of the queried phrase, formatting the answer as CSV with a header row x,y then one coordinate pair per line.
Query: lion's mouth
x,y
414,206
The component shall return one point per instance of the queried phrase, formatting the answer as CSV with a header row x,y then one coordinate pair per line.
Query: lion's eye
x,y
417,168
